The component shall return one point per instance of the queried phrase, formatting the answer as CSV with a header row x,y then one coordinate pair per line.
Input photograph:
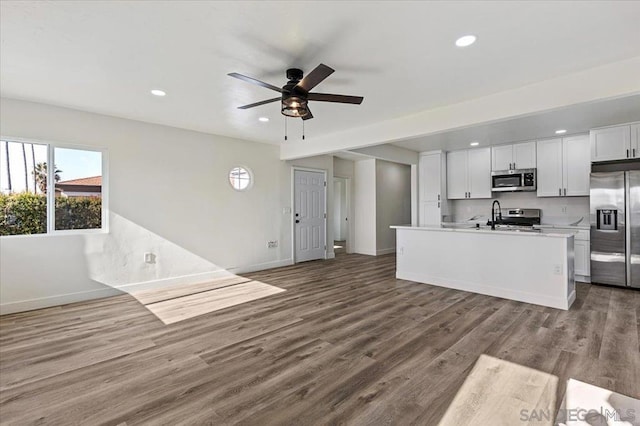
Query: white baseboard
x,y
260,266
389,250
64,299
57,300
165,282
583,279
331,255
521,296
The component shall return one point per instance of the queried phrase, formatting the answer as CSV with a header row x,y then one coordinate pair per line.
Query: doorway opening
x,y
340,222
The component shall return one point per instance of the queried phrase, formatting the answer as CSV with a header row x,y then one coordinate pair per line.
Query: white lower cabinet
x,y
582,258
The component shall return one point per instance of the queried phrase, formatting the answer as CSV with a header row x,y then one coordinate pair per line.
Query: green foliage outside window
x,y
26,213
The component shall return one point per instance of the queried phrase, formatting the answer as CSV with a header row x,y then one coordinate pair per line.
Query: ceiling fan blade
x,y
327,97
309,116
315,77
268,101
254,81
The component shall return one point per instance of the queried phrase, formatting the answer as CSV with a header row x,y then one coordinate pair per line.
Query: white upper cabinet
x,y
524,155
549,173
457,188
469,174
563,166
611,143
635,140
576,159
479,174
501,157
432,188
516,156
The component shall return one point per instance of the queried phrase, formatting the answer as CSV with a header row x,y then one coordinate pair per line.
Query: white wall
x,y
169,194
555,210
364,200
393,202
382,198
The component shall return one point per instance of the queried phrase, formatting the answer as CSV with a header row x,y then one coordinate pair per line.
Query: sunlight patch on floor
x,y
498,392
180,302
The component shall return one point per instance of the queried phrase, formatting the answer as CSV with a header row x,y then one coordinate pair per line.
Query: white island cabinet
x,y
528,267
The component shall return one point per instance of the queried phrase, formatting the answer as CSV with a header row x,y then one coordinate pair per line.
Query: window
x,y
30,205
240,178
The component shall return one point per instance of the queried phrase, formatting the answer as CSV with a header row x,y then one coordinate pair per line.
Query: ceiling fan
x,y
297,92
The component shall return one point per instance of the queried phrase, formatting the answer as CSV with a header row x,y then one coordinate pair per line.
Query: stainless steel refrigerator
x,y
615,228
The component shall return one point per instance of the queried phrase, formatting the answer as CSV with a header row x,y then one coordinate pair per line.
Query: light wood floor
x,y
346,343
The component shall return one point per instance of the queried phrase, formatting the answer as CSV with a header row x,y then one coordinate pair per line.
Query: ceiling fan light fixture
x,y
294,106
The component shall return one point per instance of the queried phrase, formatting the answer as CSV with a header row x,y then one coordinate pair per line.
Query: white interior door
x,y
309,215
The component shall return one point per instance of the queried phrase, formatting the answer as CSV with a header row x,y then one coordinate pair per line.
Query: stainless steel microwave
x,y
514,180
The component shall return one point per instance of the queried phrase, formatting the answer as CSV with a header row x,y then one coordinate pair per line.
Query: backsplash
x,y
555,210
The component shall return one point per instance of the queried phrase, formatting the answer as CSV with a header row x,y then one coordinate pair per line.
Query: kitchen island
x,y
532,267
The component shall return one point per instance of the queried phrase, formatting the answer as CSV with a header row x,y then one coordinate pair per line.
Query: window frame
x,y
51,193
249,172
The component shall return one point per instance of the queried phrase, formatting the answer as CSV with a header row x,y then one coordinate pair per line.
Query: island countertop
x,y
543,232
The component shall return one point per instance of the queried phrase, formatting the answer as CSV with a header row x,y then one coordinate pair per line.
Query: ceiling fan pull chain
x,y
302,129
285,128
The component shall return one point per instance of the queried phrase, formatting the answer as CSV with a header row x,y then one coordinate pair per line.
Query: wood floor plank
x,y
346,343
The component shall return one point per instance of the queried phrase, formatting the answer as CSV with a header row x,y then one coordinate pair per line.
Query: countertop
x,y
470,228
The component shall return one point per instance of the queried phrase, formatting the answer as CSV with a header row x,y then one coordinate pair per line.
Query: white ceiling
x,y
574,119
105,56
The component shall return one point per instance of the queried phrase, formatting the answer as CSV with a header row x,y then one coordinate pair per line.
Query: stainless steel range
x,y
518,219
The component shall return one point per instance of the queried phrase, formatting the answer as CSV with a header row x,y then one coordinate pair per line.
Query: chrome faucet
x,y
493,213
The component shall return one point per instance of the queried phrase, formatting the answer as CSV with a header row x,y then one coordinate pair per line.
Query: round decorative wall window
x,y
240,178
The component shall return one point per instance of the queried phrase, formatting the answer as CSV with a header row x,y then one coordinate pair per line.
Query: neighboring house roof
x,y
89,181
81,187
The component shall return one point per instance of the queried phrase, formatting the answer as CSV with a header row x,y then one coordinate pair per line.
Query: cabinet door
x,y
612,143
501,157
635,140
457,175
430,213
576,157
479,173
581,265
549,174
524,155
429,176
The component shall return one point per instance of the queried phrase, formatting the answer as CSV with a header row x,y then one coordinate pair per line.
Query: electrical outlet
x,y
401,251
272,244
557,269
149,258
564,209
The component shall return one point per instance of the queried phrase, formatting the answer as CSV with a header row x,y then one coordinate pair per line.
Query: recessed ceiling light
x,y
158,92
263,119
474,143
465,41
561,131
